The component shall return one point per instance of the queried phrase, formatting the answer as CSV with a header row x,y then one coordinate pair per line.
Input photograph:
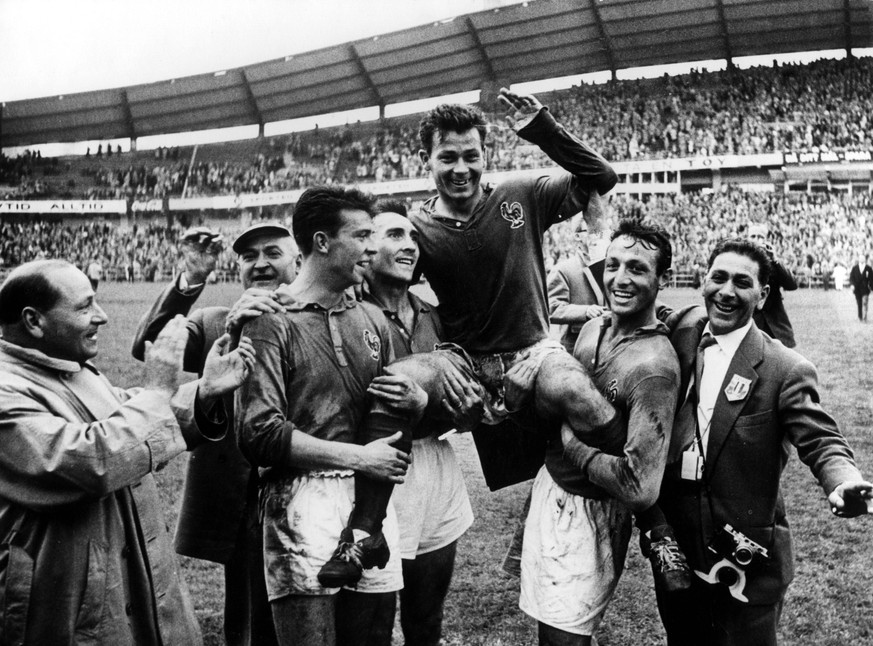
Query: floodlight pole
x,y
190,168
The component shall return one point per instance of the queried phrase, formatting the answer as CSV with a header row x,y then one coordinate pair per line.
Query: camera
x,y
737,547
738,553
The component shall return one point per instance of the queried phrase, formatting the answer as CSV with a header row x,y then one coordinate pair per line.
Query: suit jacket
x,y
772,318
747,450
861,280
572,288
219,482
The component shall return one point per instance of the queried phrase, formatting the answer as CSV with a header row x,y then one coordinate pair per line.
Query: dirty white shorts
x,y
433,508
303,518
573,555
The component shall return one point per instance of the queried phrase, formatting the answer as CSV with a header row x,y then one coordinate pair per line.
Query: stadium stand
x,y
823,106
810,233
662,133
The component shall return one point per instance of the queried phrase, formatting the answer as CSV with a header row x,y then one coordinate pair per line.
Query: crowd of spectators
x,y
821,106
24,176
137,253
810,233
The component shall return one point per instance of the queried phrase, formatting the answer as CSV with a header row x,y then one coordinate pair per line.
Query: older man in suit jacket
x,y
744,395
218,519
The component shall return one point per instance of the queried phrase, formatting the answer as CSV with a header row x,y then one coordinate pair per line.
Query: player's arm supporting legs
x,y
383,420
565,391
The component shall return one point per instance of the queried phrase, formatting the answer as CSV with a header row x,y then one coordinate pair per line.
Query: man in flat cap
x,y
218,520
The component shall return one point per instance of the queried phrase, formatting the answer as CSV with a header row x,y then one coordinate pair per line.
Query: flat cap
x,y
258,230
203,236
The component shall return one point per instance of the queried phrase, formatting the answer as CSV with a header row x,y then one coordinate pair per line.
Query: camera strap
x,y
701,437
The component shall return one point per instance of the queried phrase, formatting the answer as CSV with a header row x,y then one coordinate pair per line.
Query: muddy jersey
x,y
311,373
639,376
488,273
426,331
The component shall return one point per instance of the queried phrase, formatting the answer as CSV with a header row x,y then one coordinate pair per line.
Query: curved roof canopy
x,y
536,40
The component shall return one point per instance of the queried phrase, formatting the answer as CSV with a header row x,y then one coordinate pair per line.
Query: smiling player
x,y
579,524
481,250
433,508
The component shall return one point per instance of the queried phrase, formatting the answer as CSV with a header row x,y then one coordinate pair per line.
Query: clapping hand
x,y
225,371
163,357
594,311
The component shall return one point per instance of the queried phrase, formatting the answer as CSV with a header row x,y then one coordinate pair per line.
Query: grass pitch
x,y
830,602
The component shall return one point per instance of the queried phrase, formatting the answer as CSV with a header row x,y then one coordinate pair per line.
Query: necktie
x,y
686,418
706,341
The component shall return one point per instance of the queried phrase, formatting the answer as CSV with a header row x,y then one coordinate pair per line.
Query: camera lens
x,y
727,575
743,555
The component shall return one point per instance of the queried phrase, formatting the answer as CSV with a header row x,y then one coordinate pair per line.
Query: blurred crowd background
x,y
817,107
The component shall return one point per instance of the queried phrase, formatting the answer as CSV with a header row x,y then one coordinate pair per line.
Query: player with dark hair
x,y
772,318
450,117
579,523
299,416
322,210
482,252
433,509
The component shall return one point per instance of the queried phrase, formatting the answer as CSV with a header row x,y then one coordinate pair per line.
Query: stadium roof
x,y
536,40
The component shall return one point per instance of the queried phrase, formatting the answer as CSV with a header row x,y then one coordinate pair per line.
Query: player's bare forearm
x,y
634,477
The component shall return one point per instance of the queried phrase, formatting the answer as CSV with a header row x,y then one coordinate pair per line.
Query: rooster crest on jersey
x,y
373,343
513,214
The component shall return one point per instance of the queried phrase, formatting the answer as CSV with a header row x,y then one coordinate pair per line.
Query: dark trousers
x,y
426,581
861,300
364,619
347,618
248,620
707,614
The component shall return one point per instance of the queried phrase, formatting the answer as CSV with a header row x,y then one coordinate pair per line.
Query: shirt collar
x,y
30,355
348,302
730,342
658,327
417,304
428,207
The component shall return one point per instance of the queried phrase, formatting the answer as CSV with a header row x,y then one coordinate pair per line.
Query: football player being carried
x,y
481,250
